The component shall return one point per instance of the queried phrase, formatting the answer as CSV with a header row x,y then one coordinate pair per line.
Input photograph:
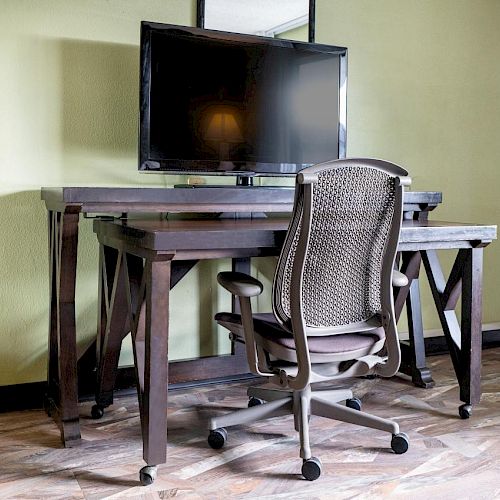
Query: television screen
x,y
215,102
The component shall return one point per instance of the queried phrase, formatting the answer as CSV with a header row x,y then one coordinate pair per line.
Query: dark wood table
x,y
419,242
65,205
147,251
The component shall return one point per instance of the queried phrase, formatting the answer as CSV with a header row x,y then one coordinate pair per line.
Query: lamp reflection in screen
x,y
223,129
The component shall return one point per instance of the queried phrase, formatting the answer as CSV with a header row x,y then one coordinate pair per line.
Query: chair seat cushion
x,y
266,325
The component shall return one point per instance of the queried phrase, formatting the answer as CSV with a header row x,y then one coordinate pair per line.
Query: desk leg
x,y
464,341
414,364
52,396
239,265
118,312
471,328
113,324
150,337
421,375
239,360
62,392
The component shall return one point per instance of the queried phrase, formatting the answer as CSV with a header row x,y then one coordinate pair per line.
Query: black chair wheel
x,y
147,475
400,443
465,411
255,402
217,438
311,468
97,412
353,403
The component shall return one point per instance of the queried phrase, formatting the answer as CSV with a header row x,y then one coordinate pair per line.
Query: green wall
x,y
301,33
424,84
424,91
69,116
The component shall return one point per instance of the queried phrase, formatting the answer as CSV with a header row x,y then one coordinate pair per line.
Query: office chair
x,y
333,311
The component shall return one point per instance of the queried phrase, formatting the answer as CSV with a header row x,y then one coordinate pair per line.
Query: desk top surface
x,y
204,199
269,232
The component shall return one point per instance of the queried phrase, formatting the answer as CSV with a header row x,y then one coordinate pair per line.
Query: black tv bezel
x,y
213,167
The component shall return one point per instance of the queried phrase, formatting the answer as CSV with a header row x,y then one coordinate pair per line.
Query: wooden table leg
x,y
239,358
52,396
420,374
152,360
118,312
471,328
413,352
62,394
114,325
464,341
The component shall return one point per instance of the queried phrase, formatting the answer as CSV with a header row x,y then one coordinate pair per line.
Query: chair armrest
x,y
240,284
399,279
244,287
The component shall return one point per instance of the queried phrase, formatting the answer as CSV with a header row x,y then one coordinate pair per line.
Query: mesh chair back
x,y
353,212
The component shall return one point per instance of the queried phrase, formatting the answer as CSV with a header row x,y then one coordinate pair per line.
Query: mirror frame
x,y
200,17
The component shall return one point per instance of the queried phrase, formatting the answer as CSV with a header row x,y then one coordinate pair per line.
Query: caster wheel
x,y
400,443
148,475
255,402
217,438
353,403
465,411
97,412
311,468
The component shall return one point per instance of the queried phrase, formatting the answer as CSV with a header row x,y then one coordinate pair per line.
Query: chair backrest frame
x,y
302,219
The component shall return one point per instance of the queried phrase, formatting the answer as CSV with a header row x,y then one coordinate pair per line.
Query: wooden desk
x,y
64,206
147,250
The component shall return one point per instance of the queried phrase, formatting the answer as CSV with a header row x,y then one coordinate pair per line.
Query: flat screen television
x,y
221,103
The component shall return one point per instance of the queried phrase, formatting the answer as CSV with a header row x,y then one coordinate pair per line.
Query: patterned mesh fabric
x,y
353,207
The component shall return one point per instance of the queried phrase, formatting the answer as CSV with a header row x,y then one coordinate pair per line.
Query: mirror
x,y
291,19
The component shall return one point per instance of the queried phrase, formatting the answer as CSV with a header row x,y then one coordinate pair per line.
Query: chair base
x,y
302,404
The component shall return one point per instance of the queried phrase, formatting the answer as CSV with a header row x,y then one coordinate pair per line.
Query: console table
x,y
146,251
64,207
